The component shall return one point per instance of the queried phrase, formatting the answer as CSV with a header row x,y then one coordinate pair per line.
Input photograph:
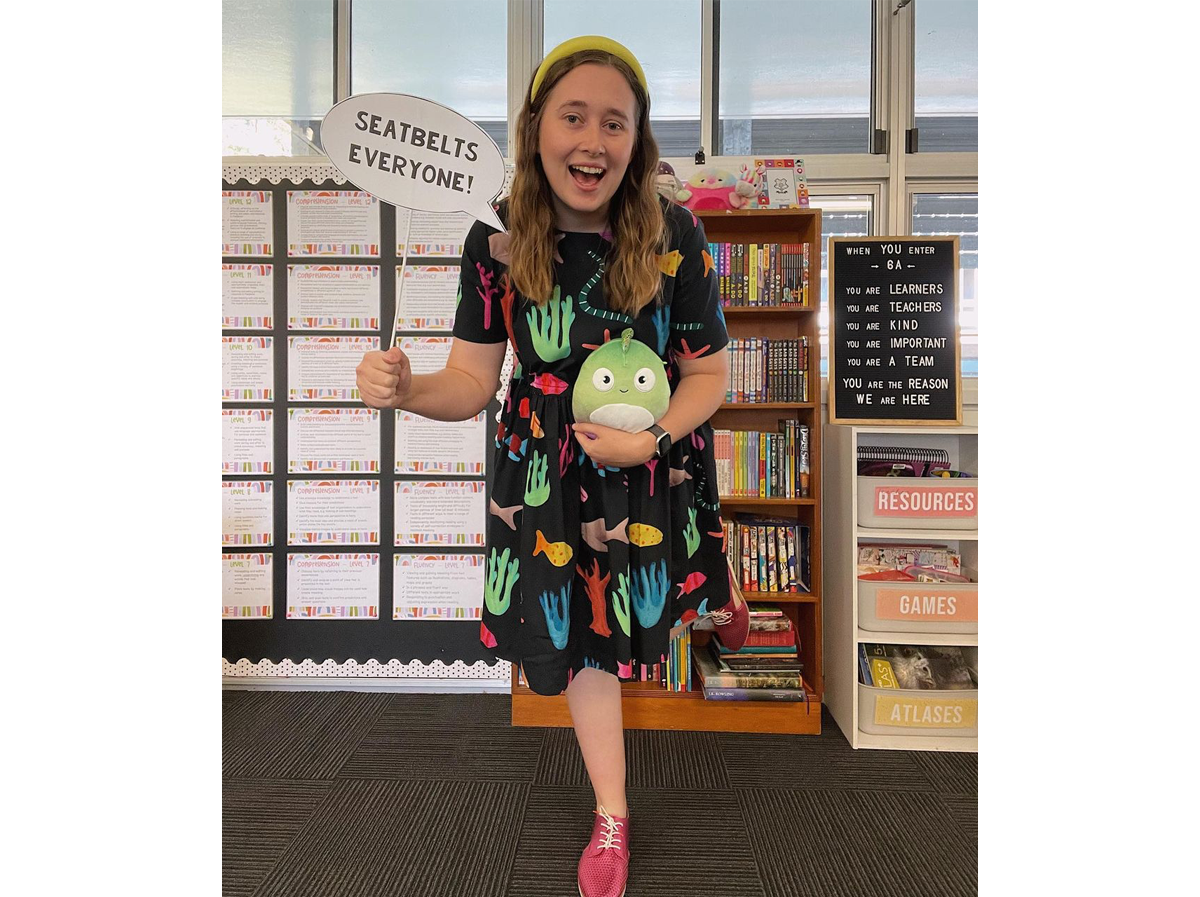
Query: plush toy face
x,y
623,385
712,177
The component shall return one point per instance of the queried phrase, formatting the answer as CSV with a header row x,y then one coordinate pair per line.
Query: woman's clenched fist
x,y
384,378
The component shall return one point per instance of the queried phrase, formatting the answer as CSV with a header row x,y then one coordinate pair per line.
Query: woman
x,y
600,541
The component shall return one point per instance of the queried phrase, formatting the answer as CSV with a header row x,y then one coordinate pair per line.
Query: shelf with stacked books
x,y
759,257
768,432
902,610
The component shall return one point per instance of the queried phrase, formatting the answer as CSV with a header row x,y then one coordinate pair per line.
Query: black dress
x,y
588,565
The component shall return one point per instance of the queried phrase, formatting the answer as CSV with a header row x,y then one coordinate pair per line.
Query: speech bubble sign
x,y
415,153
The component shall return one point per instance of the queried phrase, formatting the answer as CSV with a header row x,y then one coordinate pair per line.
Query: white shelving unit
x,y
842,535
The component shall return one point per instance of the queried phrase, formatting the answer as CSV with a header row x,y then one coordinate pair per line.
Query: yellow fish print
x,y
644,534
557,553
669,263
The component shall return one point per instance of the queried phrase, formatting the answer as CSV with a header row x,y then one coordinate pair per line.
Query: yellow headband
x,y
587,42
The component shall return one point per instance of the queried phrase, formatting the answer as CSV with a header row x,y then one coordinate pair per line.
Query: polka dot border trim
x,y
372,669
312,169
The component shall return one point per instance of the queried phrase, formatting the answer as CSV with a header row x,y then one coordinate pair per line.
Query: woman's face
x,y
589,120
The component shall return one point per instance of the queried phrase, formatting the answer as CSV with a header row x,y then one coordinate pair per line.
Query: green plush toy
x,y
623,385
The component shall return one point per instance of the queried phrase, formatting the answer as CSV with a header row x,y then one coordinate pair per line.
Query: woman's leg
x,y
594,697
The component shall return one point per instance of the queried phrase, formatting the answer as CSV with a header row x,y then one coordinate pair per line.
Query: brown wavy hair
x,y
632,277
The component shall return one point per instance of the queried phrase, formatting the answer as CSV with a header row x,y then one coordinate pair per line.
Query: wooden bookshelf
x,y
782,226
646,705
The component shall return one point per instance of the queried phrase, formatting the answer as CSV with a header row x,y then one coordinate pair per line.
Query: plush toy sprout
x,y
623,385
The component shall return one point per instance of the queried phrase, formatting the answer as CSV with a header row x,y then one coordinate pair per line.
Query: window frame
x,y
891,176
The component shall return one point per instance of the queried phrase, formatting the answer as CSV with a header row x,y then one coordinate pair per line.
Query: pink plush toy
x,y
715,188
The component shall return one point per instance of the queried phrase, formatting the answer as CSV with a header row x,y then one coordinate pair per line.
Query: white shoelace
x,y
610,836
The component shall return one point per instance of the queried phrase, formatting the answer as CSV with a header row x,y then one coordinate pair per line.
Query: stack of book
x,y
768,554
763,465
767,370
767,668
762,275
925,667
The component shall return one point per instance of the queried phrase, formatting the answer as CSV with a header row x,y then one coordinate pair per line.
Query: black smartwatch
x,y
662,441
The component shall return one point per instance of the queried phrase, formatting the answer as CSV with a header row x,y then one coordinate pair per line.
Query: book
x,y
722,693
711,675
921,667
763,610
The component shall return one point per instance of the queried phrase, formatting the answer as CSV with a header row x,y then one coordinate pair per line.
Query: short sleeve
x,y
479,318
697,321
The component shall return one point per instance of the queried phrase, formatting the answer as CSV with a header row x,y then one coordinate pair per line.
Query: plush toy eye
x,y
644,380
603,379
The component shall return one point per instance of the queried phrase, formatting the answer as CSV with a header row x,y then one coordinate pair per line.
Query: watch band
x,y
662,440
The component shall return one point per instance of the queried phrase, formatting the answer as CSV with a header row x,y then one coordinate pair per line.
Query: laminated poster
x,y
432,234
438,586
247,512
247,440
448,512
246,223
333,297
333,440
247,372
428,297
332,223
440,447
333,586
321,368
333,512
246,587
247,297
427,354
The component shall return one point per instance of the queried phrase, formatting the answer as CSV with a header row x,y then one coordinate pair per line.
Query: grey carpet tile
x,y
965,810
956,772
259,819
469,711
653,759
397,747
666,857
854,843
805,761
296,735
404,839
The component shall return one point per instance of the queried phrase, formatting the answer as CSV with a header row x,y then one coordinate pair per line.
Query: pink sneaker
x,y
604,866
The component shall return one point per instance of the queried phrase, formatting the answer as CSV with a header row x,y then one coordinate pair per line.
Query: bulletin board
x,y
325,626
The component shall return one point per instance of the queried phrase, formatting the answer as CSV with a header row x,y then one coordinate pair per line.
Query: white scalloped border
x,y
312,168
372,669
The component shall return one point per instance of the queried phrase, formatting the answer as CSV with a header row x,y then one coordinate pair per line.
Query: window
x,y
427,48
277,76
665,38
841,216
946,75
941,214
795,78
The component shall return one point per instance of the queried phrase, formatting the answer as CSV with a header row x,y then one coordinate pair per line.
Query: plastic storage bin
x,y
900,711
918,503
918,606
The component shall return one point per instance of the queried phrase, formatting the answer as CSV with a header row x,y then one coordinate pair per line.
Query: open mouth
x,y
586,176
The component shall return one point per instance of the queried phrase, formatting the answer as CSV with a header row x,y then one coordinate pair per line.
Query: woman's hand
x,y
384,378
614,448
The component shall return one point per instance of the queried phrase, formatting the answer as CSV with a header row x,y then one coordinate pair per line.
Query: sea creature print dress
x,y
588,565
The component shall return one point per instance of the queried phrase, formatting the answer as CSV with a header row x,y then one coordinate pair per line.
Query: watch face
x,y
663,444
